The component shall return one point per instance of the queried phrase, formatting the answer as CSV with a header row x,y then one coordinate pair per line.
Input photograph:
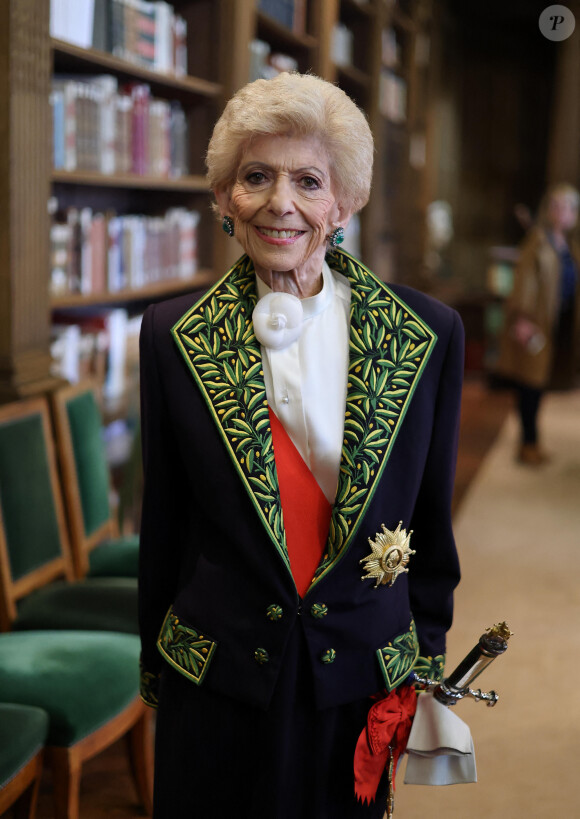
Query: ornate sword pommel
x,y
494,641
456,686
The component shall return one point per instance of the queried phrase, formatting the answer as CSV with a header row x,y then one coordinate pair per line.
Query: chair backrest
x,y
34,546
86,476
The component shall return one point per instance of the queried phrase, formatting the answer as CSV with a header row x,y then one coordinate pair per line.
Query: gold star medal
x,y
389,557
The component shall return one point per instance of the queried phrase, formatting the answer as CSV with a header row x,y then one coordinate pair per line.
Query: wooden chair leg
x,y
140,749
25,807
66,778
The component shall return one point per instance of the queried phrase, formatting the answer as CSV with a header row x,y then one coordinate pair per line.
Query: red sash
x,y
305,508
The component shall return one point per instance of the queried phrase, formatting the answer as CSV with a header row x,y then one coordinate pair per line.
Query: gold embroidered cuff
x,y
148,687
430,667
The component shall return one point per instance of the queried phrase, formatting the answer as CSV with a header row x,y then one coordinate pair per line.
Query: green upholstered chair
x,y
37,586
87,683
97,548
23,732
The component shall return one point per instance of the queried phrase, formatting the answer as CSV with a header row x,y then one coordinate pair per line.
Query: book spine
x,y
179,165
86,280
140,127
58,135
107,123
145,34
123,133
180,46
114,254
70,125
163,37
99,253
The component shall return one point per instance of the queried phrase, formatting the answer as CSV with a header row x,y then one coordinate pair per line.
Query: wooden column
x,y
564,152
24,190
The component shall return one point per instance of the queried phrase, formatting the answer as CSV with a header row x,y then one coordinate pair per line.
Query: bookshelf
x,y
30,59
219,61
396,231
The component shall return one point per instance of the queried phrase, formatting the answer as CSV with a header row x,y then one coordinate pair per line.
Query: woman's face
x,y
562,212
283,205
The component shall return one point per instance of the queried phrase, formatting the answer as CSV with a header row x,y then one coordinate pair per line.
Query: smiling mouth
x,y
279,234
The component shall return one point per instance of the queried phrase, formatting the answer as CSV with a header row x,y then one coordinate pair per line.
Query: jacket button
x,y
328,656
261,656
319,610
274,613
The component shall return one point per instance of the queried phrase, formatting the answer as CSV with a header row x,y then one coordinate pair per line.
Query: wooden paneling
x,y
24,189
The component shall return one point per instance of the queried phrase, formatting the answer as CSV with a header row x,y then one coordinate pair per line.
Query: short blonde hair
x,y
300,104
560,189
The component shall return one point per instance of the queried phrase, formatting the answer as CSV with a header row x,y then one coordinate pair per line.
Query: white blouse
x,y
306,381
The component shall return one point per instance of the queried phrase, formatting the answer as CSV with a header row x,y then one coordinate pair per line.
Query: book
x,y
178,141
98,249
59,244
114,255
106,86
95,252
102,25
123,133
145,24
159,138
86,256
72,20
180,45
163,37
141,95
58,132
80,15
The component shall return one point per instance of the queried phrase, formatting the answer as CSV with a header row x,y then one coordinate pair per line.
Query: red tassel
x,y
388,726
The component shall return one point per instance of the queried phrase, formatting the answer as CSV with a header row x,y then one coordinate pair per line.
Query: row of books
x,y
99,126
148,34
102,346
289,13
94,252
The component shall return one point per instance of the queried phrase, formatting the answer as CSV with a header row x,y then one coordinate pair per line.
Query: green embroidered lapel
x,y
388,350
216,338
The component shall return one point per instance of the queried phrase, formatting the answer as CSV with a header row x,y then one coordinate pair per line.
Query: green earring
x,y
336,237
228,225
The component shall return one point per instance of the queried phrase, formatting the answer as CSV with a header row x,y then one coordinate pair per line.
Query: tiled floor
x,y
107,789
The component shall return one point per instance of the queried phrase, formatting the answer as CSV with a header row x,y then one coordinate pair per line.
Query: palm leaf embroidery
x,y
389,348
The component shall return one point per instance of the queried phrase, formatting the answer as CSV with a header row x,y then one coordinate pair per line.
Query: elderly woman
x,y
299,420
540,342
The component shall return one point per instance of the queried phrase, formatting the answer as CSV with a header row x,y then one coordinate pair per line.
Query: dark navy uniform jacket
x,y
217,598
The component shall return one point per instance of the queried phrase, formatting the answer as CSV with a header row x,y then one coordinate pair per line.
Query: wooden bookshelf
x,y
152,292
281,37
191,183
219,32
72,59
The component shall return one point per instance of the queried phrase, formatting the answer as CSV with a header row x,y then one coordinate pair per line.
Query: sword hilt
x,y
456,686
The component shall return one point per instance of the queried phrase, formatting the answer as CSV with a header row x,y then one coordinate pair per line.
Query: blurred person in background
x,y
539,345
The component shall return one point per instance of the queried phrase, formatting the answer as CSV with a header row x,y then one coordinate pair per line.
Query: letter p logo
x,y
557,23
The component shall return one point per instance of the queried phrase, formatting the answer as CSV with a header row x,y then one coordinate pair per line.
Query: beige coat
x,y
536,295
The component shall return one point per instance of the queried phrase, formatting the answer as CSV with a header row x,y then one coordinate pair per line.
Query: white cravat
x,y
306,380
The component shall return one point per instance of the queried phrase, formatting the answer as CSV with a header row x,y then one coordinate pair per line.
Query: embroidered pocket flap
x,y
187,649
398,657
